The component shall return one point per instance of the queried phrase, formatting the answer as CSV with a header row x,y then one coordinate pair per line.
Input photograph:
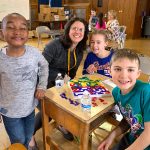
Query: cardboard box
x,y
59,17
57,10
56,17
54,9
44,17
52,17
45,10
44,6
61,11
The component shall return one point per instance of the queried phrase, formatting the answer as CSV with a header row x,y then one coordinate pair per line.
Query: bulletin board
x,y
14,6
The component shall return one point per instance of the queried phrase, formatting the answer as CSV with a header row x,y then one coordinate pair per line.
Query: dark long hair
x,y
65,39
100,17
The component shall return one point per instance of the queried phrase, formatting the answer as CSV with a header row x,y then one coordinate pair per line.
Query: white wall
x,y
18,6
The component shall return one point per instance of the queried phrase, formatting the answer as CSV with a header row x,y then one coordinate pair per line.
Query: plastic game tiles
x,y
94,87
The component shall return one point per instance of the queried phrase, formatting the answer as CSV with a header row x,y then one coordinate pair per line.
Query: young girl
x,y
113,25
100,23
99,59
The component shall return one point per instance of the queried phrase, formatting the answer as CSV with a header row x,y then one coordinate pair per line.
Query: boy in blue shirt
x,y
133,98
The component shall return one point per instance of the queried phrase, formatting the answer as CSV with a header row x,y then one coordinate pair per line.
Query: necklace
x,y
75,59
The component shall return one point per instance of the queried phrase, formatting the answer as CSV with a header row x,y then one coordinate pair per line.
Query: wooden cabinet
x,y
33,14
79,9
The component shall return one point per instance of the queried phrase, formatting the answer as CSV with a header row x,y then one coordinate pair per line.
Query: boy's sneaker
x,y
67,135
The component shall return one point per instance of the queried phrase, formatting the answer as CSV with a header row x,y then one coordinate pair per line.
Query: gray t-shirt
x,y
18,82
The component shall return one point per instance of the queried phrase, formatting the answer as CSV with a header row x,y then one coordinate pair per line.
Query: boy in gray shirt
x,y
20,67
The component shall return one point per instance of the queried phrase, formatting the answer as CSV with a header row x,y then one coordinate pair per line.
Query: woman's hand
x,y
39,94
91,69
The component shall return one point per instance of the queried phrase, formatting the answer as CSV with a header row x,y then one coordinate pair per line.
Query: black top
x,y
57,56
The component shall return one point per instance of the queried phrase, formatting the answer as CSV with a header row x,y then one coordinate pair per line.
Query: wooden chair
x,y
45,30
145,63
41,30
16,146
122,37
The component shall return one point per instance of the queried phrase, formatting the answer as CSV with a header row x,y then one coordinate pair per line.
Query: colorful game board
x,y
94,87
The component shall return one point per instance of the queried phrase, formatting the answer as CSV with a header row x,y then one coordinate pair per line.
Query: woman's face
x,y
76,32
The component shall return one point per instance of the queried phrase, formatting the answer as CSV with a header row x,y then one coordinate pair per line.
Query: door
x,y
126,10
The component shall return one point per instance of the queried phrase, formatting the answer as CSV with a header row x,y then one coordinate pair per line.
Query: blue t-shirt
x,y
102,64
135,107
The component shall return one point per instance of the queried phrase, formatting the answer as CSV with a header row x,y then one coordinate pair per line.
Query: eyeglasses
x,y
77,29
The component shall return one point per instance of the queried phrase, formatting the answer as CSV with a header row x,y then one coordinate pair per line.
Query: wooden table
x,y
71,117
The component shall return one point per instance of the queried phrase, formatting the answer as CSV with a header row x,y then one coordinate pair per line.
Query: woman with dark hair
x,y
70,46
64,56
101,24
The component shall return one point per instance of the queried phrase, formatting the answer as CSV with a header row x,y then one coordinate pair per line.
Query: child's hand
x,y
39,94
66,79
91,69
105,145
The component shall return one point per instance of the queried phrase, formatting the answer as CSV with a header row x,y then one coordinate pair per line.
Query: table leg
x,y
84,137
45,120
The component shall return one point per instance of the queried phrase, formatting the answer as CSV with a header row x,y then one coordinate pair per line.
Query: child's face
x,y
124,74
93,13
110,16
15,31
98,43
